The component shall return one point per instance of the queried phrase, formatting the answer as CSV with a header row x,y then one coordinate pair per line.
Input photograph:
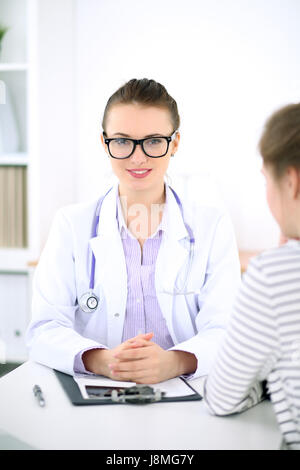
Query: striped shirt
x,y
262,342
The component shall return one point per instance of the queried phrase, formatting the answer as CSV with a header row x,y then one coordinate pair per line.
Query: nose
x,y
138,155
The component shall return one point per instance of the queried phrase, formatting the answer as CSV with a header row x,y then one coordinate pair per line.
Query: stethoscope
x,y
89,301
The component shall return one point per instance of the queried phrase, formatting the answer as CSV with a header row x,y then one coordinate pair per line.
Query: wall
x,y
228,64
55,140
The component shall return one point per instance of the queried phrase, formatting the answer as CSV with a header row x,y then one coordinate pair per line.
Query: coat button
x,y
116,315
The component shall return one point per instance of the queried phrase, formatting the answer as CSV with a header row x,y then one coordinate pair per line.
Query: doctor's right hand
x,y
98,360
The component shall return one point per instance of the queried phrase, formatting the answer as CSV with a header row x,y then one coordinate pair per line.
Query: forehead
x,y
136,120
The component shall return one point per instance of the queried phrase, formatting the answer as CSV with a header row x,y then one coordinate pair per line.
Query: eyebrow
x,y
146,136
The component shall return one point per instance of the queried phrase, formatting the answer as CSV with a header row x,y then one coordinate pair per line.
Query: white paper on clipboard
x,y
173,387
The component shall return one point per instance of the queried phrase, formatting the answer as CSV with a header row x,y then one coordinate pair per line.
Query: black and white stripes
x,y
263,342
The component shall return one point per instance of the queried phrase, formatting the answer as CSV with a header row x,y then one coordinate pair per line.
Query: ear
x,y
293,181
175,143
103,143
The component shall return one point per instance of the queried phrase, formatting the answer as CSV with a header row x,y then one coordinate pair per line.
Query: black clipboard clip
x,y
138,394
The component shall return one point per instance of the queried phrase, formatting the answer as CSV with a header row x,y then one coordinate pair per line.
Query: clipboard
x,y
73,391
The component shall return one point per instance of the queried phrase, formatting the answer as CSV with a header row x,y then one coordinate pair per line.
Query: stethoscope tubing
x,y
95,225
94,234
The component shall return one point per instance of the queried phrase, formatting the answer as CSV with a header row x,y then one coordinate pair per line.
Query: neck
x,y
142,210
147,198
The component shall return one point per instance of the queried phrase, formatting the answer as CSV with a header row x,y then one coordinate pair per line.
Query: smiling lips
x,y
138,173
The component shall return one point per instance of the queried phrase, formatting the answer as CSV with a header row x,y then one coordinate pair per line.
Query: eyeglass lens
x,y
154,147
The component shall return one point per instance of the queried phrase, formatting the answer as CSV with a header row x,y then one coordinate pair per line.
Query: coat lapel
x,y
110,270
172,257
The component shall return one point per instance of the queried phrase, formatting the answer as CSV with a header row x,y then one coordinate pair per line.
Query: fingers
x,y
142,336
135,351
128,370
147,336
130,367
138,376
133,361
139,373
136,364
132,354
138,341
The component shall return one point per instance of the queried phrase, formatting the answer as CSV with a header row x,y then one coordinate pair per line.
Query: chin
x,y
139,184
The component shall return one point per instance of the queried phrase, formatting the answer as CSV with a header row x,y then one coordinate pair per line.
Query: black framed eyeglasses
x,y
154,147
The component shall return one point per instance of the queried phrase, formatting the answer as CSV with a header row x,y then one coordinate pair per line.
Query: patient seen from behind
x,y
262,341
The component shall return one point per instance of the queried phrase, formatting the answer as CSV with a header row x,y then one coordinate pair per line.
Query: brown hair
x,y
145,92
280,142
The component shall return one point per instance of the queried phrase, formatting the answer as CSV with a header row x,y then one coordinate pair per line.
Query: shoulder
x,y
200,199
74,219
73,213
212,228
209,220
276,267
197,213
83,212
70,222
278,259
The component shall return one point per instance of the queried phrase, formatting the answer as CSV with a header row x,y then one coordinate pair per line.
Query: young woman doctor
x,y
138,285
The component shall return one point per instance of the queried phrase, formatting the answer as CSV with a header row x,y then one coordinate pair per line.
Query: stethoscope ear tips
x,y
89,302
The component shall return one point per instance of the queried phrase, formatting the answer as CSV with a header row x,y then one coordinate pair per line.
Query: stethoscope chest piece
x,y
89,302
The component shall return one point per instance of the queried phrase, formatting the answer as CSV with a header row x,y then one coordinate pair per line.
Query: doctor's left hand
x,y
98,360
145,362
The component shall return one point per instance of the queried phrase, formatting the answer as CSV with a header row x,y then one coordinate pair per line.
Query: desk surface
x,y
163,426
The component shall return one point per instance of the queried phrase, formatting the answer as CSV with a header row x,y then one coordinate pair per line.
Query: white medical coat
x,y
59,329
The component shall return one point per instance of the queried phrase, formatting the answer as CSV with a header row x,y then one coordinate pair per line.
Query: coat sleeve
x,y
216,298
51,337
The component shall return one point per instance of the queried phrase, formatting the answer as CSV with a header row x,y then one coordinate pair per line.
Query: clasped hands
x,y
139,360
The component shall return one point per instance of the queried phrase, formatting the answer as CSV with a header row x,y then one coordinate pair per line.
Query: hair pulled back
x,y
144,92
280,141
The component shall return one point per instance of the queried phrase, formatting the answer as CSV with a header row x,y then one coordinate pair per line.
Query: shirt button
x,y
137,301
116,315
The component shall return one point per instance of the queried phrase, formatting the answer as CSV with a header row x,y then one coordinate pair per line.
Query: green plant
x,y
3,31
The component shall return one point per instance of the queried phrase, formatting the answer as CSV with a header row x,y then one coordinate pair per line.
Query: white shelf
x,y
19,72
15,260
15,159
13,67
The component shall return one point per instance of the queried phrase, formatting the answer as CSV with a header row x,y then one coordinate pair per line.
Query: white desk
x,y
158,426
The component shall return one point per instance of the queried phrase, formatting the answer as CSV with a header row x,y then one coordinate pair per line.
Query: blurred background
x,y
228,63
